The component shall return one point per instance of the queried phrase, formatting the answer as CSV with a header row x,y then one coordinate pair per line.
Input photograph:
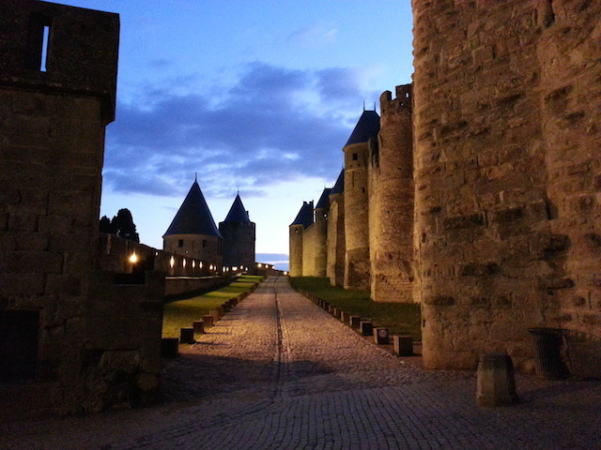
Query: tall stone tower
x,y
391,201
356,215
296,230
193,231
320,234
507,178
70,340
336,248
239,236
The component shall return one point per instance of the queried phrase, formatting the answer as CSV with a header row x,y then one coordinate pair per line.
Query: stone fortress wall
x,y
71,340
482,186
390,172
507,103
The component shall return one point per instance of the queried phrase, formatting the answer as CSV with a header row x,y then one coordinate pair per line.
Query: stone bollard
x,y
186,336
199,327
208,321
403,345
496,381
366,328
381,336
345,317
337,312
326,305
169,347
355,322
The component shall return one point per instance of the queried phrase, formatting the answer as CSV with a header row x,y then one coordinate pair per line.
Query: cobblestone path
x,y
280,373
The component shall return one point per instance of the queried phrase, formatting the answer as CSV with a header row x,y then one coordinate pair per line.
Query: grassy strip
x,y
181,313
399,318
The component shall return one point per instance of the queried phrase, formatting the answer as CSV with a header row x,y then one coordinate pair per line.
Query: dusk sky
x,y
257,96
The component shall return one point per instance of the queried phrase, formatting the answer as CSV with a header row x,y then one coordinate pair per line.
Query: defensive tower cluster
x,y
193,233
479,196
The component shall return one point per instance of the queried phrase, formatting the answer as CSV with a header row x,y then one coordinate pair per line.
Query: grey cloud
x,y
273,125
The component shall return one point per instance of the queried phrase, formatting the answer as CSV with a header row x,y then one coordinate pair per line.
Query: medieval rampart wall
x,y
506,199
391,201
335,241
66,328
320,243
310,236
569,55
295,250
356,217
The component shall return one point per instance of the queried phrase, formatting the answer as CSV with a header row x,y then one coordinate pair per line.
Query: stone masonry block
x,y
21,283
31,262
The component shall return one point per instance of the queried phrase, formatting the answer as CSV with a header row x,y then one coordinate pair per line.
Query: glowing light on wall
x,y
172,262
133,258
193,264
184,263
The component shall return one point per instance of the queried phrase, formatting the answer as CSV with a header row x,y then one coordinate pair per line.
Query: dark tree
x,y
123,226
106,226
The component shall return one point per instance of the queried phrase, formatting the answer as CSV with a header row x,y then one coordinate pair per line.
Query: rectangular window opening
x,y
38,45
18,345
45,46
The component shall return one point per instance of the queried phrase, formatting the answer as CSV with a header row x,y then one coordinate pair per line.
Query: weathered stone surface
x,y
93,338
504,84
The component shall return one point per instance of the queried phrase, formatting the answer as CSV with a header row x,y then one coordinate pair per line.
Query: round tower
x,y
193,231
239,237
356,150
391,201
296,232
321,233
336,248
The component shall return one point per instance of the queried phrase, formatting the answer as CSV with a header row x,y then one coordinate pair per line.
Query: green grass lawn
x,y
181,313
399,318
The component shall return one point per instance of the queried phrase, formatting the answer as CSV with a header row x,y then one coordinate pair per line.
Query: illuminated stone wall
x,y
391,201
356,217
506,107
335,240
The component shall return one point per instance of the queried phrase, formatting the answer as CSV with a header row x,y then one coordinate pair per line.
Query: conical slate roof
x,y
367,127
324,200
339,185
305,215
237,212
194,216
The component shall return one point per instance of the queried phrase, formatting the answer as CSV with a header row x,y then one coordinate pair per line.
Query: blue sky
x,y
256,96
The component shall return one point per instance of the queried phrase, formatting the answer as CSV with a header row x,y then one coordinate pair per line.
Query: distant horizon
x,y
280,261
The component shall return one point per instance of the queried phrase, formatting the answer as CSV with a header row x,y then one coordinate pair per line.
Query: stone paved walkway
x,y
280,373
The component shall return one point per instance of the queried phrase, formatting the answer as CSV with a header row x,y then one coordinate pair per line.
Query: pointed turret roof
x,y
237,212
194,216
305,215
339,185
324,200
367,127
